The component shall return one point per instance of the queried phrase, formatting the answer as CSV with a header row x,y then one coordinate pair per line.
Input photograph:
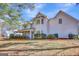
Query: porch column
x,y
30,34
33,36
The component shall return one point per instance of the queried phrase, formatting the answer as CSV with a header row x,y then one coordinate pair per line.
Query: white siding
x,y
69,25
41,27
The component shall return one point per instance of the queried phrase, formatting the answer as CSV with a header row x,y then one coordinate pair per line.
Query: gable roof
x,y
39,14
65,14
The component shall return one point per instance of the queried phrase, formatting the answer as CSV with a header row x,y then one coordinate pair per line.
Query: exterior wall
x,y
4,30
41,27
68,26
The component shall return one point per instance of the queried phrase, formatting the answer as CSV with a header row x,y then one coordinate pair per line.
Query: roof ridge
x,y
40,13
64,13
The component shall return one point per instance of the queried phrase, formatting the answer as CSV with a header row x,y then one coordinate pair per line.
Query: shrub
x,y
56,35
76,36
39,36
21,37
43,35
11,36
71,36
51,36
36,36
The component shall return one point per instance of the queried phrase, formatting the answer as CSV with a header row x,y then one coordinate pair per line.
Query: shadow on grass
x,y
9,44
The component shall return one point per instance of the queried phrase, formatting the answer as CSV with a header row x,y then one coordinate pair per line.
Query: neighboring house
x,y
62,24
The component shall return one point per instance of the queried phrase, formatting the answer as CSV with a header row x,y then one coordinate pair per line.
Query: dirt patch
x,y
40,47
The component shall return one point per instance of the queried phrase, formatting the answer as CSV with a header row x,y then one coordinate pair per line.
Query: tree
x,y
11,13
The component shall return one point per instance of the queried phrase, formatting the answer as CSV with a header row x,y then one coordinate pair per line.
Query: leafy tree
x,y
11,13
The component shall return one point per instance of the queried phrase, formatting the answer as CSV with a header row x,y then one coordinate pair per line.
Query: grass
x,y
55,44
40,47
9,44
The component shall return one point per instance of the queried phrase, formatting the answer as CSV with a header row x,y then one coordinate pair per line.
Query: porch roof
x,y
23,31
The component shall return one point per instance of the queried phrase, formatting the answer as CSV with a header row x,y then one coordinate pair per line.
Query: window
x,y
60,21
42,21
37,21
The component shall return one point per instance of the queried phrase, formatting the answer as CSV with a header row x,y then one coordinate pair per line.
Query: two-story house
x,y
62,24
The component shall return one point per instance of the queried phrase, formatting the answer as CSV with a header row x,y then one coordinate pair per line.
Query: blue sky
x,y
51,9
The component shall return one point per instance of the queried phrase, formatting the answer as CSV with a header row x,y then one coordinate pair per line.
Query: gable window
x,y
42,21
60,21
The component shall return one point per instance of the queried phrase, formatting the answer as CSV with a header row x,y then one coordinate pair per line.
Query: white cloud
x,y
32,13
39,5
66,6
69,4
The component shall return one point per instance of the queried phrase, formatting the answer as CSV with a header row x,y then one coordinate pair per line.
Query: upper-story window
x,y
42,21
37,21
60,21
